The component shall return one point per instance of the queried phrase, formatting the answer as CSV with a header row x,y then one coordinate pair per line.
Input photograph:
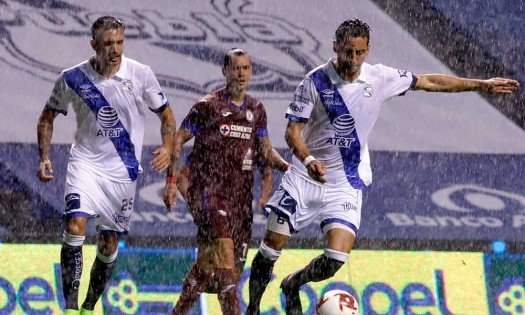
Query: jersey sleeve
x,y
262,121
155,98
302,103
398,81
60,97
196,118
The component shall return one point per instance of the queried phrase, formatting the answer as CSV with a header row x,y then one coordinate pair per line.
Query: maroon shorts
x,y
219,218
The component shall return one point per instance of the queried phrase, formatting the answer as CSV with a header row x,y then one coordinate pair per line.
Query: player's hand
x,y
317,171
45,171
170,195
500,86
162,160
260,205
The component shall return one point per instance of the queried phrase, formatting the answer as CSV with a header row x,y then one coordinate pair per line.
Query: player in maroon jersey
x,y
244,235
229,127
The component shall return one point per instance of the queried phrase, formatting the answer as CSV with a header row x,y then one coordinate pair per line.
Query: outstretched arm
x,y
44,135
293,138
446,83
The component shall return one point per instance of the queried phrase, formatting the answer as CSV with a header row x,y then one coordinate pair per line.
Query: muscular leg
x,y
198,278
71,259
107,251
262,267
322,267
224,277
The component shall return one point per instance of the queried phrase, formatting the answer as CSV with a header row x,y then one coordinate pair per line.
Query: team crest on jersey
x,y
368,91
127,86
403,73
249,115
225,129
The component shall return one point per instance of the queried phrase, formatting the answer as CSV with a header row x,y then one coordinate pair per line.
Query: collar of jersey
x,y
121,73
336,79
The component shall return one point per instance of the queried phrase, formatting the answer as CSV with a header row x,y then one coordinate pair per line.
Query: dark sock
x,y
320,268
260,276
228,291
71,270
192,287
100,274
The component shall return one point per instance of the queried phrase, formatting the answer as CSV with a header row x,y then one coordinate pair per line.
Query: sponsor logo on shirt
x,y
343,126
328,98
300,96
86,92
296,108
107,117
118,218
402,73
247,161
236,131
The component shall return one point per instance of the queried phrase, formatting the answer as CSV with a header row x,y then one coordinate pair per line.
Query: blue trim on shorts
x,y
75,214
343,222
108,232
281,214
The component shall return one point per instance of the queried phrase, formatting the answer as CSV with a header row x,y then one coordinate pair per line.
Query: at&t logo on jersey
x,y
343,126
236,131
107,117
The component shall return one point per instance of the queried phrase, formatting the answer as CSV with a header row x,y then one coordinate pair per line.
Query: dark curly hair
x,y
352,28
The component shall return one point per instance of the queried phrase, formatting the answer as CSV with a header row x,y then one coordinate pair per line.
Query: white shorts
x,y
92,196
299,202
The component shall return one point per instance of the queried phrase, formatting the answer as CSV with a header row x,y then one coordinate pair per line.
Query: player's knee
x,y
268,252
225,280
334,260
107,257
73,240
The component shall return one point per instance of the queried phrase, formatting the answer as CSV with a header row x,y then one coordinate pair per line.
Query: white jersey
x,y
339,117
110,115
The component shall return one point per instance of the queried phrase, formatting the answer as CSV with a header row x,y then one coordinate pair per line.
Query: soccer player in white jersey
x,y
110,95
330,118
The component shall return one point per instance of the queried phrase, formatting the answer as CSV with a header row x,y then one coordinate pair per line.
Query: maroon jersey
x,y
222,159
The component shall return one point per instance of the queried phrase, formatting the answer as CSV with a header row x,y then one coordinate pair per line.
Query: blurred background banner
x,y
415,196
446,166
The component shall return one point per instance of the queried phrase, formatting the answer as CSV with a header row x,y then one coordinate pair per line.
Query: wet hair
x,y
105,23
232,52
352,28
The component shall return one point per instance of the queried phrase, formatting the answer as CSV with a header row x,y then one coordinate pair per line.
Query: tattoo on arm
x,y
45,132
182,136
